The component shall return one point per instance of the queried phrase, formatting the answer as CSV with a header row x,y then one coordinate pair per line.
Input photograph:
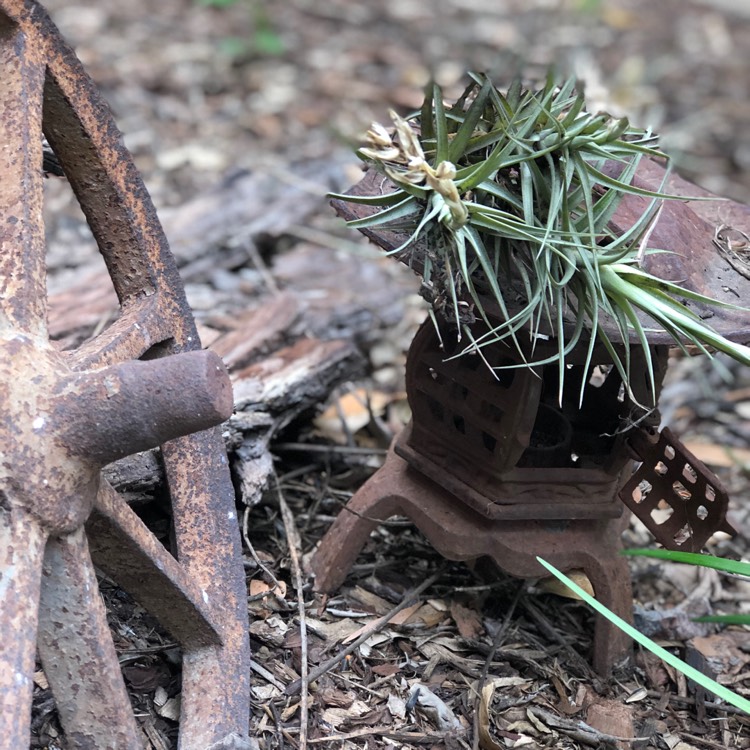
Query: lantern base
x,y
535,494
459,533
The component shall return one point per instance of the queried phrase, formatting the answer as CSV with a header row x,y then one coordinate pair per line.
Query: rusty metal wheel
x,y
64,414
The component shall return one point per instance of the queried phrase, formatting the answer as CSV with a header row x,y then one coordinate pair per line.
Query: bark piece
x,y
258,330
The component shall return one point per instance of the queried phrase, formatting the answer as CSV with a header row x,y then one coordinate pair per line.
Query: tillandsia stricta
x,y
507,200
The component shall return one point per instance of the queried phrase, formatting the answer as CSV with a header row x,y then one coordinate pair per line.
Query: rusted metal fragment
x,y
123,547
22,270
134,406
38,472
215,680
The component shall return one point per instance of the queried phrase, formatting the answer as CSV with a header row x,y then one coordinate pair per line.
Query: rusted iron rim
x,y
64,415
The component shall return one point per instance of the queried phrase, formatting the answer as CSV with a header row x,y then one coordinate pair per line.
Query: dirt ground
x,y
204,89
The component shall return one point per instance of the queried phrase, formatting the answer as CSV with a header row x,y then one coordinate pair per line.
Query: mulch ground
x,y
477,659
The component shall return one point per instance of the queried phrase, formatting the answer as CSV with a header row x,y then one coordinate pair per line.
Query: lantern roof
x,y
702,245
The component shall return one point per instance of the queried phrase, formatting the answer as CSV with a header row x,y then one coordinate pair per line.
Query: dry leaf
x,y
553,586
160,697
523,741
264,693
537,724
376,639
467,620
674,742
386,670
486,741
397,706
336,630
519,727
145,678
501,682
350,413
330,696
272,630
258,587
565,705
337,716
41,679
406,614
289,711
372,602
171,709
430,616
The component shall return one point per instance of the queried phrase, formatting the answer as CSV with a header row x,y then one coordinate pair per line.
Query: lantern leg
x,y
610,579
459,533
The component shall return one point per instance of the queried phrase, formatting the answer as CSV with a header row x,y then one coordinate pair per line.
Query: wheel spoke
x,y
124,548
77,652
21,551
140,327
23,301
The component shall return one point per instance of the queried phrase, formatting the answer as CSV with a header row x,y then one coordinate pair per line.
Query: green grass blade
x,y
426,118
724,619
690,672
735,567
623,187
386,199
441,125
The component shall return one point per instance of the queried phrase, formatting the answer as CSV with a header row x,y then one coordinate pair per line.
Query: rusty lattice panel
x,y
678,499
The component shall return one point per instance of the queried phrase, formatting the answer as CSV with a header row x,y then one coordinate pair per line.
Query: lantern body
x,y
496,433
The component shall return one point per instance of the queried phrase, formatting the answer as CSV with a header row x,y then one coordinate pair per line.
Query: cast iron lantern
x,y
496,463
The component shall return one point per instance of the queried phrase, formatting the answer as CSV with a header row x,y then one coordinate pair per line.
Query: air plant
x,y
508,207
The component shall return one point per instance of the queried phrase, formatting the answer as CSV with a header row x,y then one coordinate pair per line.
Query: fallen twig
x,y
579,730
496,641
294,544
265,674
251,550
375,627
